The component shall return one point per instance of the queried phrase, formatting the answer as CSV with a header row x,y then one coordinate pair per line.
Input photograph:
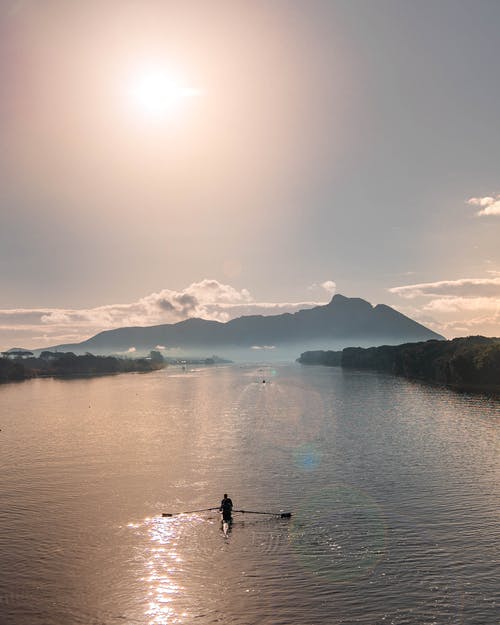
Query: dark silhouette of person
x,y
226,507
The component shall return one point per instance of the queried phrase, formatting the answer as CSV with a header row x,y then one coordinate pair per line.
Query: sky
x,y
162,160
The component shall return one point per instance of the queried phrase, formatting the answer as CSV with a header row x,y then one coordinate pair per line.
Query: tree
x,y
156,356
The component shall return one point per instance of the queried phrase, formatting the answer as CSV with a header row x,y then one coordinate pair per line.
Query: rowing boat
x,y
281,514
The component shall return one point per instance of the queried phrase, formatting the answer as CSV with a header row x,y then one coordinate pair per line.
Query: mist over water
x,y
393,487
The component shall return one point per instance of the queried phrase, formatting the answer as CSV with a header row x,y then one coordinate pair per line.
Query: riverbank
x,y
467,364
70,365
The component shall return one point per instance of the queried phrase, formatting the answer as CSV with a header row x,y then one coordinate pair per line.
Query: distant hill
x,y
342,322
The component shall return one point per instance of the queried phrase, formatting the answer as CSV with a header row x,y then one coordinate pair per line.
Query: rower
x,y
226,507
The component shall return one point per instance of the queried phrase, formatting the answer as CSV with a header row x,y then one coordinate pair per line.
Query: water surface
x,y
394,489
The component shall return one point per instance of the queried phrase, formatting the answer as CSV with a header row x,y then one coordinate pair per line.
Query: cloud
x,y
22,315
328,285
461,304
455,307
264,347
166,305
488,325
485,287
489,205
207,299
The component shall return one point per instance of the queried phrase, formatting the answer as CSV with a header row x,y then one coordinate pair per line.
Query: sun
x,y
157,94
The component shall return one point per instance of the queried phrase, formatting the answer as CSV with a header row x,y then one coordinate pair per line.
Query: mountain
x,y
342,323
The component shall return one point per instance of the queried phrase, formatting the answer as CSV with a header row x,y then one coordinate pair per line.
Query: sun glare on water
x,y
157,95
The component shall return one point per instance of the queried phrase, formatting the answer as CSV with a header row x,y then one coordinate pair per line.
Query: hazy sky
x,y
169,159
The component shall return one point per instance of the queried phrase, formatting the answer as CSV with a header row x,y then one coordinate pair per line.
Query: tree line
x,y
469,364
69,364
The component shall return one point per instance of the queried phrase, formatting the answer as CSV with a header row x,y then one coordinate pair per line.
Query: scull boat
x,y
281,515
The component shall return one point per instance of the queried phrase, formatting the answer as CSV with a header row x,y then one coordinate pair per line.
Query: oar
x,y
188,512
282,515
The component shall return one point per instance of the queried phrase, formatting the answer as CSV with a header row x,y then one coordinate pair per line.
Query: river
x,y
393,487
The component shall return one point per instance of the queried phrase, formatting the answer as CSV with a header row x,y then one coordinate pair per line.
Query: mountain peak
x,y
342,300
338,298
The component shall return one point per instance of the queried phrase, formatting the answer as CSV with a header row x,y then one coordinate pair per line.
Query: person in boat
x,y
226,507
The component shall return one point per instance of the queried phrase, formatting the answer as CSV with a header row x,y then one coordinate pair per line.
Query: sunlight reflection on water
x,y
162,564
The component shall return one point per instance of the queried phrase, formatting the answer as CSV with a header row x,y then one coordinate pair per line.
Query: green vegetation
x,y
62,364
468,364
320,357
